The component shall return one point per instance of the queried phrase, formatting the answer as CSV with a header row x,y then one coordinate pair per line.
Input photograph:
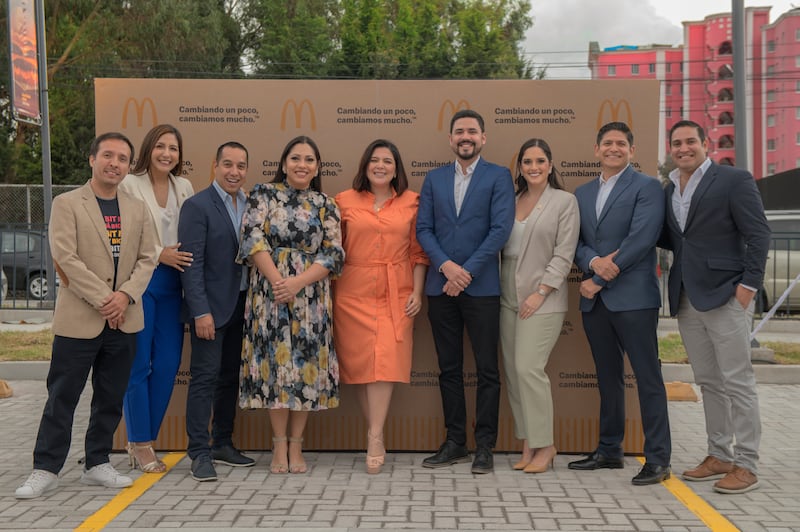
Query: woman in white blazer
x,y
535,263
155,180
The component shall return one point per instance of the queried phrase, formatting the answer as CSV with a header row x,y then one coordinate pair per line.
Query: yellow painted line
x,y
114,507
714,520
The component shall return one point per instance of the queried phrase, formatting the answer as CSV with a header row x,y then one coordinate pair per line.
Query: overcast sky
x,y
562,29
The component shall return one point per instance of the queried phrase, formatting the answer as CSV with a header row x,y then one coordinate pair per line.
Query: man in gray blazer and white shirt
x,y
716,228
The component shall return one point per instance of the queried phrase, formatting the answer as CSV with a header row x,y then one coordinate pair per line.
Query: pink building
x,y
697,84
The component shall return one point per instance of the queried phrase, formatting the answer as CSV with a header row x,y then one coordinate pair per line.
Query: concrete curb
x,y
765,373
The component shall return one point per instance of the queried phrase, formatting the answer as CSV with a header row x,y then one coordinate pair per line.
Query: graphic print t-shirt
x,y
110,210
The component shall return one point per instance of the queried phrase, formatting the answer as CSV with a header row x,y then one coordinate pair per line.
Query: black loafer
x,y
596,461
651,474
231,456
202,469
448,454
483,462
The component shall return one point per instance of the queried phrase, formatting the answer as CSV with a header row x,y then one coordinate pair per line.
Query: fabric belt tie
x,y
394,292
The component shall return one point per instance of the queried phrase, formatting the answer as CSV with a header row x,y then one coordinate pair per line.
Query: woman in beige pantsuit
x,y
533,301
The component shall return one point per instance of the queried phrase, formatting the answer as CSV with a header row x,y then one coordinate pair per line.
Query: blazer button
x,y
108,280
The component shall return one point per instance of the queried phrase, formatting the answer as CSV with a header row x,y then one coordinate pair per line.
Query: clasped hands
x,y
286,288
458,279
113,308
606,269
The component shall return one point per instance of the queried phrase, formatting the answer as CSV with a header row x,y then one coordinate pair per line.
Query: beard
x,y
467,150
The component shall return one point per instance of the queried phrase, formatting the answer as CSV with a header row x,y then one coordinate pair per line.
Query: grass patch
x,y
28,346
25,346
671,351
785,353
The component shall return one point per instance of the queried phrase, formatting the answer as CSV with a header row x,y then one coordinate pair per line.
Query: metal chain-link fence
x,y
25,203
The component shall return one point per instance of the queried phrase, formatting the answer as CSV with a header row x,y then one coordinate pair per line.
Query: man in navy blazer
x,y
716,228
214,289
622,212
466,211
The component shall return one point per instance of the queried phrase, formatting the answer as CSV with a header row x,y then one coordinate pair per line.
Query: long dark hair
x,y
552,177
399,181
280,175
149,143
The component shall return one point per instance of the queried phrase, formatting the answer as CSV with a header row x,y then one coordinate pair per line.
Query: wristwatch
x,y
542,292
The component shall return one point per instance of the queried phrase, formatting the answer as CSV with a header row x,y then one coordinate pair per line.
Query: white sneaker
x,y
105,475
38,483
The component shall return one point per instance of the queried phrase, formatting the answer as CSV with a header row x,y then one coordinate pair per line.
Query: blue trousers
x,y
214,388
158,356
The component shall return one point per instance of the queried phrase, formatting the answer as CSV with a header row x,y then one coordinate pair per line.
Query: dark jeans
x,y
109,356
610,335
481,317
214,384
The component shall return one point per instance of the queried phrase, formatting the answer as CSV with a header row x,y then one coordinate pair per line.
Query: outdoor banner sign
x,y
24,61
343,117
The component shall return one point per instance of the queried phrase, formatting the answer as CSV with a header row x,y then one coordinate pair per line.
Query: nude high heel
x,y
297,467
376,461
278,467
543,460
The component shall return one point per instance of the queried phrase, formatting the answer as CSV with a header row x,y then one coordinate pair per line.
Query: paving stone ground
x,y
337,494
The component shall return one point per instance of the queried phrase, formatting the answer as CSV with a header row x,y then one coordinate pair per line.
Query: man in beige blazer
x,y
103,249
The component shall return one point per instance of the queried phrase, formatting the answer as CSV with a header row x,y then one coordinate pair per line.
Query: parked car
x,y
23,256
783,261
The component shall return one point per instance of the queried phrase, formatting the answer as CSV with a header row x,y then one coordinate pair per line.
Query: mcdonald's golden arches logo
x,y
139,109
614,112
298,113
448,105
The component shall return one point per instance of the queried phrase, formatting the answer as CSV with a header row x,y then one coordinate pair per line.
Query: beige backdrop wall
x,y
343,117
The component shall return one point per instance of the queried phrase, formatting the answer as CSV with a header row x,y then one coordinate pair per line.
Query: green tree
x,y
95,38
295,38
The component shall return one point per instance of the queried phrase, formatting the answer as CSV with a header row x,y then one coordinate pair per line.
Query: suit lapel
x,y
623,182
705,183
219,205
670,214
535,217
96,216
473,182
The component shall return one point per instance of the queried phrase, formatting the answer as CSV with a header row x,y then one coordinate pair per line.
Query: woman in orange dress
x,y
380,289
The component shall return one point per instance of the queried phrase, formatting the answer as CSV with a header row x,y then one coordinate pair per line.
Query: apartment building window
x,y
797,34
668,89
797,86
771,96
770,144
668,113
770,120
770,46
771,169
669,68
797,61
612,70
797,138
634,69
797,113
797,163
652,68
771,70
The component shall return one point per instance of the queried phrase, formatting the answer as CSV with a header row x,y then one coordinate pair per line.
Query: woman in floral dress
x,y
291,234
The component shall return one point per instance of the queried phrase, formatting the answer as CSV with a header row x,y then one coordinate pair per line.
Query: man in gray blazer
x,y
214,290
102,245
622,212
716,228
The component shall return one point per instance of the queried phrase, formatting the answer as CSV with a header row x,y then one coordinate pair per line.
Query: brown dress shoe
x,y
709,469
739,480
